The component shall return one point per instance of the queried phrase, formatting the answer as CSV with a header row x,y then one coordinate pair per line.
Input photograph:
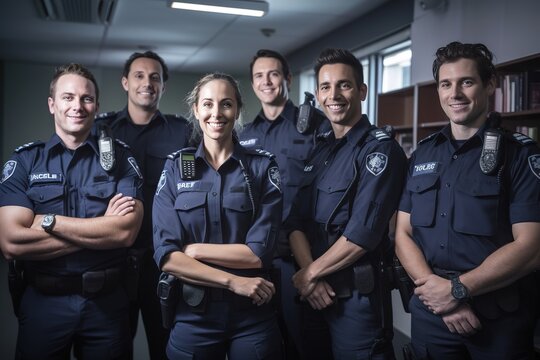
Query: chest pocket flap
x,y
188,200
237,202
481,199
99,191
42,194
331,186
423,190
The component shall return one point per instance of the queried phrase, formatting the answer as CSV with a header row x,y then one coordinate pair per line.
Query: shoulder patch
x,y
376,163
121,143
522,139
28,146
274,177
8,170
263,153
534,164
175,154
426,139
380,134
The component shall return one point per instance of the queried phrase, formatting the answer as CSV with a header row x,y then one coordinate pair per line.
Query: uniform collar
x,y
445,134
123,116
238,153
358,131
55,142
288,113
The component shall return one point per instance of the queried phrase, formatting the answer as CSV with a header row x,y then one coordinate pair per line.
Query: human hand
x,y
259,290
120,205
322,295
436,293
303,283
462,320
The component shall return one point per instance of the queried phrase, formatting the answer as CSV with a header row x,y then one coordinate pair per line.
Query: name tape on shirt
x,y
425,168
534,164
185,185
376,163
249,142
9,169
45,178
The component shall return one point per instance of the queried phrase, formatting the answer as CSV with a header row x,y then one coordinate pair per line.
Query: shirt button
x,y
214,193
454,157
447,184
441,246
443,214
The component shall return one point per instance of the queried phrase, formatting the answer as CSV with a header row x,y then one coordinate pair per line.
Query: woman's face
x,y
216,110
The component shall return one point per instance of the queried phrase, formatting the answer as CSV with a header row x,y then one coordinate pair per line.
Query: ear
x,y
289,81
125,83
50,101
491,86
363,91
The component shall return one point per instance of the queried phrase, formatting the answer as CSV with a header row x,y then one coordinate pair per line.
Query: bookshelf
x,y
415,112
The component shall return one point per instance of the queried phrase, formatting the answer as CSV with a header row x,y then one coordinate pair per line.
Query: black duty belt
x,y
89,284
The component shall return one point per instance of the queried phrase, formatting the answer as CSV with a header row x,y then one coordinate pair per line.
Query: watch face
x,y
47,220
459,291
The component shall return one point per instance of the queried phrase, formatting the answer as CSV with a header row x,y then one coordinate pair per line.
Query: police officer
x,y
339,223
468,229
70,217
217,213
277,129
151,136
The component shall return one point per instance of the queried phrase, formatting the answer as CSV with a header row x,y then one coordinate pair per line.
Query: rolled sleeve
x,y
262,235
376,198
525,187
13,188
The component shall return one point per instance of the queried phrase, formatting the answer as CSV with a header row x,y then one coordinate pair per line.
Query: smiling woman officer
x,y
217,212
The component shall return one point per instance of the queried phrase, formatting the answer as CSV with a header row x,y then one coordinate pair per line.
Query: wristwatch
x,y
459,291
48,221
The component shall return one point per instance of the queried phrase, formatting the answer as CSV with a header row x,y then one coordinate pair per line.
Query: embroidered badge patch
x,y
376,163
162,181
9,169
134,165
273,176
534,164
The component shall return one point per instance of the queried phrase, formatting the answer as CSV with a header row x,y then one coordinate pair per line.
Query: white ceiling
x,y
187,40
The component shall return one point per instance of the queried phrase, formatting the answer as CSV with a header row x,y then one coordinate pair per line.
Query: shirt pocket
x,y
423,191
238,212
329,194
476,207
47,199
95,199
191,209
296,153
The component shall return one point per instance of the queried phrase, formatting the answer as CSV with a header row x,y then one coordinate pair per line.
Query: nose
x,y
455,91
267,79
334,93
216,112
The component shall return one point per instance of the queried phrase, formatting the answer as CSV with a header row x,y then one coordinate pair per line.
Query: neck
x,y
72,142
217,152
271,112
341,130
140,116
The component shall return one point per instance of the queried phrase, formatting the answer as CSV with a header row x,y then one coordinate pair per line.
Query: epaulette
x,y
105,115
324,135
121,143
175,154
28,146
380,134
426,139
261,152
520,138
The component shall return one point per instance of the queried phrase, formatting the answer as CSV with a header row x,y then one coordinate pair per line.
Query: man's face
x,y
339,95
144,84
268,81
462,95
74,106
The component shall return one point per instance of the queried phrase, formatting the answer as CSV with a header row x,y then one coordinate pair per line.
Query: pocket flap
x,y
332,185
479,188
190,200
238,202
100,191
42,194
419,184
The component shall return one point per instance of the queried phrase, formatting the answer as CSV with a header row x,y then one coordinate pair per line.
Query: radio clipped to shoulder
x,y
187,166
308,116
492,147
106,148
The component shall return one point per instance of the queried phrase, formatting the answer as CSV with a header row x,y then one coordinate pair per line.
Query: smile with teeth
x,y
336,107
216,125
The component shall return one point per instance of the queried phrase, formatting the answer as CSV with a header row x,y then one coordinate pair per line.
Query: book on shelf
x,y
530,131
534,95
406,141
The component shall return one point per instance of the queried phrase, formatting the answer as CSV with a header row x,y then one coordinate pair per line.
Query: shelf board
x,y
403,128
520,114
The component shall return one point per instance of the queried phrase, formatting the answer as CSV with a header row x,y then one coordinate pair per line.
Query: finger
x,y
450,327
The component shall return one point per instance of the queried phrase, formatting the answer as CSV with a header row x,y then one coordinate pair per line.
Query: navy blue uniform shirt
x,y
460,215
216,207
363,215
49,178
150,144
290,148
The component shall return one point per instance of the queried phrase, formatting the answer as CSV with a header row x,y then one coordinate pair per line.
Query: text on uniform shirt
x,y
45,177
425,168
249,142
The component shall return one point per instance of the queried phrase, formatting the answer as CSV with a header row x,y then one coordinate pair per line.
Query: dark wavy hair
x,y
477,52
270,54
339,56
149,55
75,69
